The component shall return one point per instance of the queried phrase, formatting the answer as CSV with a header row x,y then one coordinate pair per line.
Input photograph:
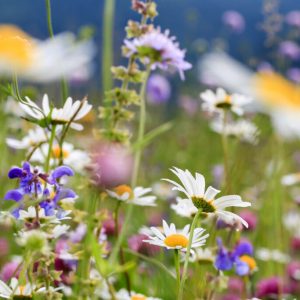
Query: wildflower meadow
x,y
138,165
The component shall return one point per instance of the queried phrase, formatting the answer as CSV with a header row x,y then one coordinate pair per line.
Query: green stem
x,y
177,266
121,254
52,136
141,132
63,82
136,165
187,257
107,57
225,151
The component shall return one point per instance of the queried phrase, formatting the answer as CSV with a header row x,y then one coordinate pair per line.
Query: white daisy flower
x,y
41,61
14,289
125,295
77,159
241,129
171,238
34,138
194,189
135,196
219,101
58,116
184,207
30,215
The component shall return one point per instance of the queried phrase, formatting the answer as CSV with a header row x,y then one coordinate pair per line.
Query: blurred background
x,y
198,24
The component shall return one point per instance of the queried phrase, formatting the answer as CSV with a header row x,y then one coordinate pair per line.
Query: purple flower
x,y
243,248
234,20
293,270
223,260
270,287
29,182
294,74
136,244
112,164
158,89
293,18
250,217
159,50
240,258
289,49
10,270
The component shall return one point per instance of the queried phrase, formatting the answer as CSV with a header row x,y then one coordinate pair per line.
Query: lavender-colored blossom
x,y
158,89
293,18
234,20
294,74
160,50
289,49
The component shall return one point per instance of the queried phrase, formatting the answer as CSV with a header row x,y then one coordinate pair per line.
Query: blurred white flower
x,y
41,61
76,159
35,137
290,179
220,100
184,207
135,196
125,295
272,255
202,255
70,112
241,129
291,221
15,289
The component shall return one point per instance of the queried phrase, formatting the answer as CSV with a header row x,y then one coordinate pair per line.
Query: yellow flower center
x,y
138,297
15,47
56,152
250,261
122,189
175,240
225,103
204,205
21,289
